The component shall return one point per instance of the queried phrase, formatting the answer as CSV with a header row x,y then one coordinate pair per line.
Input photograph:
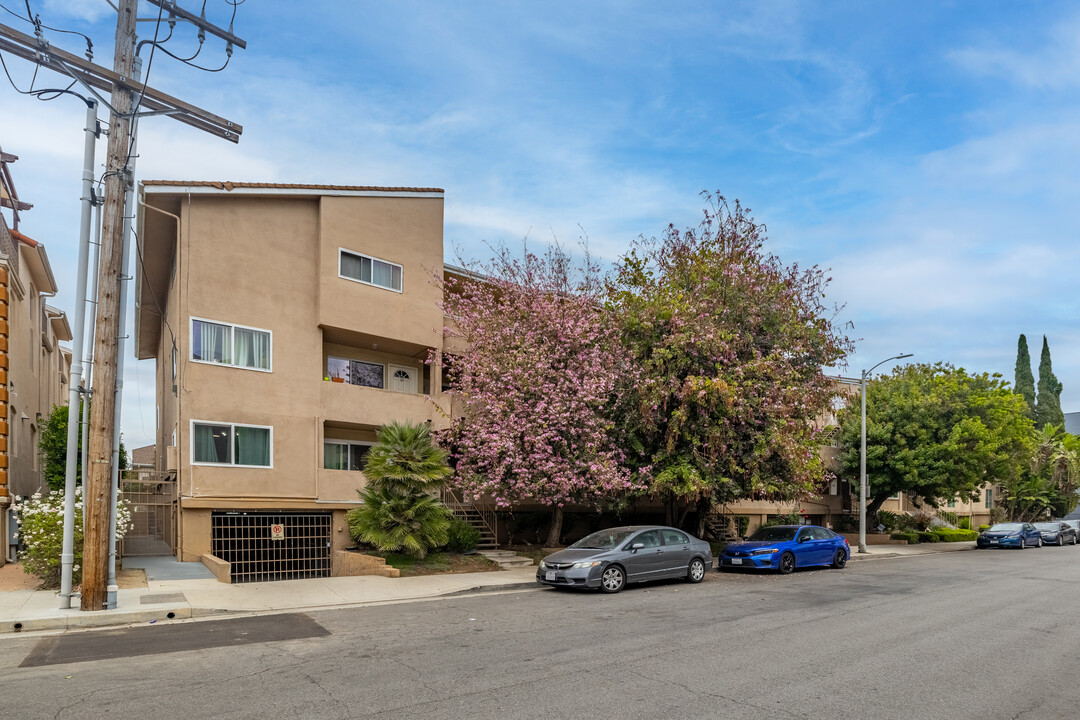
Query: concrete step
x,y
506,558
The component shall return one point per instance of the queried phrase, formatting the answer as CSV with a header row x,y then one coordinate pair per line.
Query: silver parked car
x,y
609,559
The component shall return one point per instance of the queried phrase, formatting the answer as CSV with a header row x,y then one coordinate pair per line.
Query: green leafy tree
x,y
401,512
1048,404
1024,385
727,346
52,448
936,432
1051,480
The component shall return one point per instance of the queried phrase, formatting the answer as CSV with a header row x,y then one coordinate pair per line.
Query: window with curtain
x,y
227,344
369,270
230,444
344,455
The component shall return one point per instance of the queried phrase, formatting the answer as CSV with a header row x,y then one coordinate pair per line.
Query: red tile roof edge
x,y
23,238
228,186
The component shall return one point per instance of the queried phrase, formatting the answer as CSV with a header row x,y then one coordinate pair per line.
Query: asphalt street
x,y
983,634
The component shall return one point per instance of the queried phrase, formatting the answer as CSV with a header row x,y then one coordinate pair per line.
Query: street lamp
x,y
862,455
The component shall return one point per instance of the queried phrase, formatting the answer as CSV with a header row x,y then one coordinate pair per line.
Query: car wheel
x,y
1073,540
1038,542
787,563
613,580
696,572
1023,543
839,559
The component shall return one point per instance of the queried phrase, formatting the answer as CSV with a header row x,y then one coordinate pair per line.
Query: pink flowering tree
x,y
727,346
535,384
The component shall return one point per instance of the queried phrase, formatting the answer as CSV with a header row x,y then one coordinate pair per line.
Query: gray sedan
x,y
610,559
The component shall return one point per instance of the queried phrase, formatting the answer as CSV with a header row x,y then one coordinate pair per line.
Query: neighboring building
x,y
1072,423
34,367
288,322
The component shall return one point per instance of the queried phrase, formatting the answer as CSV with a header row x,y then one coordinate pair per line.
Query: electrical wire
x,y
40,93
36,22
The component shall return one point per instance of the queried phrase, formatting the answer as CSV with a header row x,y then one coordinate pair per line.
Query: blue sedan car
x,y
1011,534
786,547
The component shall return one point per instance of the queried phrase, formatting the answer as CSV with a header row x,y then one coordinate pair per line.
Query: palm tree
x,y
400,512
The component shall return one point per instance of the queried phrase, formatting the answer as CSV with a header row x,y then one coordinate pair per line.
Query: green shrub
x,y
964,524
888,519
925,536
461,537
909,535
41,527
744,524
904,522
950,535
983,527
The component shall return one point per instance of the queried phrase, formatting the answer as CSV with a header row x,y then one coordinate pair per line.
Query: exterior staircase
x,y
484,522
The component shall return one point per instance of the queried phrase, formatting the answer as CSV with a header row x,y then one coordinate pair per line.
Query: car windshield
x,y
1007,527
774,534
1052,527
603,540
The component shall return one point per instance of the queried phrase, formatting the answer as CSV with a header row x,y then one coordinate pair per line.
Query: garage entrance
x,y
264,546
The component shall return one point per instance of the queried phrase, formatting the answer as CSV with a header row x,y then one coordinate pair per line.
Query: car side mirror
x,y
804,538
637,546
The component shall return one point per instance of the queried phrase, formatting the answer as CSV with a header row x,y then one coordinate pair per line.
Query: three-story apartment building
x,y
287,323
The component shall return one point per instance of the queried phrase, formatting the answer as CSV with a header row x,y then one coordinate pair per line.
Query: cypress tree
x,y
1048,405
1025,382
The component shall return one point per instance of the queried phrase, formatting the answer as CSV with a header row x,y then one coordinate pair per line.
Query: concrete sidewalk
x,y
29,610
877,552
195,596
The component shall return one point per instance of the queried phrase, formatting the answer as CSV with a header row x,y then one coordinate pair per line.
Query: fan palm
x,y
400,511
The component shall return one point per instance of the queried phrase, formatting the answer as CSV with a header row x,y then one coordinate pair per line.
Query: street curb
x,y
493,588
106,618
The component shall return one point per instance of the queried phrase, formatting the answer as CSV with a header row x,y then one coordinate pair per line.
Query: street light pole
x,y
862,453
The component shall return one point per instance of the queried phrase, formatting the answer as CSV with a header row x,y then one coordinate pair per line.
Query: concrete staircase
x,y
473,517
506,558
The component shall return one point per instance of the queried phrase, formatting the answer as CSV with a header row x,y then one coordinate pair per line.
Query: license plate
x,y
993,542
550,576
736,561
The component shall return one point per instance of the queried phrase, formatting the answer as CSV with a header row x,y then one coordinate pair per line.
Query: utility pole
x,y
123,84
97,478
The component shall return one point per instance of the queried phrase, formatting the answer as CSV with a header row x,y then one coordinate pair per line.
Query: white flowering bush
x,y
41,524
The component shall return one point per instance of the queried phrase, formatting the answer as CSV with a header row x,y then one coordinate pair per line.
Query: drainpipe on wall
x,y
67,553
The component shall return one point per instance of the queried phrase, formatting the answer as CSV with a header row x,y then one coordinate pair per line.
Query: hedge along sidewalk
x,y
878,552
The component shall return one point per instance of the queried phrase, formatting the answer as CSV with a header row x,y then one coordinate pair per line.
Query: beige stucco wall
x,y
272,264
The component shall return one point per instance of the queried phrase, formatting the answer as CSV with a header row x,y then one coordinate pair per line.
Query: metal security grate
x,y
266,546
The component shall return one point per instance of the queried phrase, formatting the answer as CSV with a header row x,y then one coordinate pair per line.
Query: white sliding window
x,y
229,344
231,444
369,270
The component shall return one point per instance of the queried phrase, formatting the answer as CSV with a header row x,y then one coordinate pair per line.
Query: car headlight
x,y
1013,536
763,551
543,565
589,564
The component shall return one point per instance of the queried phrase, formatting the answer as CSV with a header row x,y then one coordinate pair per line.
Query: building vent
x,y
263,546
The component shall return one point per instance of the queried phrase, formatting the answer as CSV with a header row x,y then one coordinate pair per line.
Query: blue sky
x,y
927,153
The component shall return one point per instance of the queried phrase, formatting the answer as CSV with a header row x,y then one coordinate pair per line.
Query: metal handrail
x,y
490,519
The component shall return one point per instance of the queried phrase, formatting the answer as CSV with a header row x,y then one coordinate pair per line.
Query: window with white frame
x,y
231,444
229,344
369,270
345,454
357,372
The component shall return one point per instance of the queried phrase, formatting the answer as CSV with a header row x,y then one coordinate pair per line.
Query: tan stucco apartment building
x,y
287,323
34,367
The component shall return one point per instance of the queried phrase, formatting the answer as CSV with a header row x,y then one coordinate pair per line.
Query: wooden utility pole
x,y
119,180
97,478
